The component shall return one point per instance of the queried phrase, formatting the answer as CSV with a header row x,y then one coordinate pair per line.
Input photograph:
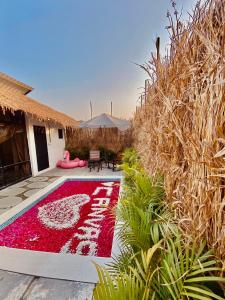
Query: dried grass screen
x,y
109,138
180,131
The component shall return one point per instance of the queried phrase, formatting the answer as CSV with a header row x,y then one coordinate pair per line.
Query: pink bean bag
x,y
82,163
66,163
69,165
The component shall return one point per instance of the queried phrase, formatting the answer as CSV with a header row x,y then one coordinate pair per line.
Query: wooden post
x,y
157,44
91,108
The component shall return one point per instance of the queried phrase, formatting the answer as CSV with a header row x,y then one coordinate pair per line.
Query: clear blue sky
x,y
74,51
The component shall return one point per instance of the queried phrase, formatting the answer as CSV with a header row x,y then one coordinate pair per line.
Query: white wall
x,y
55,145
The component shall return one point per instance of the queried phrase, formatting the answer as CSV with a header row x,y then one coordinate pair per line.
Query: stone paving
x,y
18,192
15,286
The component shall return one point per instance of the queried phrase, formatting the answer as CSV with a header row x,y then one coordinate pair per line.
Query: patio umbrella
x,y
106,121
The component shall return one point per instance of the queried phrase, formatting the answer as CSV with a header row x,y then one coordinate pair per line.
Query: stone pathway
x,y
18,192
14,286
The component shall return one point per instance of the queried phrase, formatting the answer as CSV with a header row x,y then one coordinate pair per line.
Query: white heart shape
x,y
62,213
108,183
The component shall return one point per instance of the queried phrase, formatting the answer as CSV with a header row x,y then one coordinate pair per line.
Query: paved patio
x,y
15,286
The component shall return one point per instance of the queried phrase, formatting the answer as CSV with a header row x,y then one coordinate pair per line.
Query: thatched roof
x,y
13,100
6,80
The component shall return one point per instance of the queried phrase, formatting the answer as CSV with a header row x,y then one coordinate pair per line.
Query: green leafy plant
x,y
133,285
144,190
73,153
103,151
82,153
130,157
141,229
168,270
130,166
143,214
155,262
186,270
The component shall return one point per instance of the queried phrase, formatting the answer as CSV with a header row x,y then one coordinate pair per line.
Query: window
x,y
60,133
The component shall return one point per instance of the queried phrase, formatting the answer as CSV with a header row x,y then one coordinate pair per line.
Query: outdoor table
x,y
95,162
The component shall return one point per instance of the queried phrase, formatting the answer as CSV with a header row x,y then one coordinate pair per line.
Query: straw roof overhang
x,y
27,89
14,101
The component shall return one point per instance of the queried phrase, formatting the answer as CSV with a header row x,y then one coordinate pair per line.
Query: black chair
x,y
94,160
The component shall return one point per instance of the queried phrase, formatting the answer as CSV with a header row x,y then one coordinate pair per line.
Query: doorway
x,y
14,152
41,147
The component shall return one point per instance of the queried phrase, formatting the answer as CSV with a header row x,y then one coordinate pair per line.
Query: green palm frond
x,y
173,271
122,261
141,229
121,287
185,271
148,189
129,174
134,285
143,214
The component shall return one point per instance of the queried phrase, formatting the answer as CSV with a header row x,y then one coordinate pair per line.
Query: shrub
x,y
168,270
103,151
155,261
84,153
130,157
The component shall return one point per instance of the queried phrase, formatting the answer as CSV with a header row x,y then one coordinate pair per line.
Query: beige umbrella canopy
x,y
106,121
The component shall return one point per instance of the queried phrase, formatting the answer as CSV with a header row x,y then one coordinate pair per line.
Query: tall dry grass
x,y
180,131
109,138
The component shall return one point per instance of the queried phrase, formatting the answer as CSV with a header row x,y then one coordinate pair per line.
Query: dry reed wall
x,y
109,138
180,131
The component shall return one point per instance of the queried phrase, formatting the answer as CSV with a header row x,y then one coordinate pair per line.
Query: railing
x,y
10,174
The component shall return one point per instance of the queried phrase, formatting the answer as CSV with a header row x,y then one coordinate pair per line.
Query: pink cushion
x,y
82,163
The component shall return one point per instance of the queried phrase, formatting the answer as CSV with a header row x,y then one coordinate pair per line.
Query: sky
x,y
76,51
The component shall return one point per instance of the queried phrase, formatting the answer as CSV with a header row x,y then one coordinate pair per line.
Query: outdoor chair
x,y
112,163
94,160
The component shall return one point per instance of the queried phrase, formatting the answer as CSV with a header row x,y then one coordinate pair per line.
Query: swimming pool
x,y
72,219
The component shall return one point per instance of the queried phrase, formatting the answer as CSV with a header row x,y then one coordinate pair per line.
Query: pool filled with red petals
x,y
77,217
